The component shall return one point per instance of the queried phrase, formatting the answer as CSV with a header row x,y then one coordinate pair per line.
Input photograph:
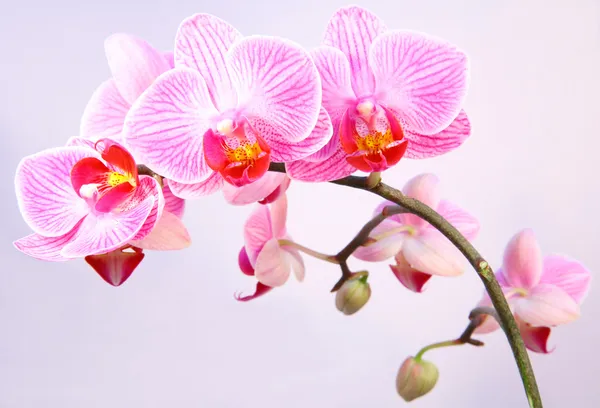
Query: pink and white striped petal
x,y
567,274
81,142
333,168
173,204
425,188
547,305
384,248
522,261
433,254
45,248
169,234
165,126
134,63
352,30
105,232
336,80
282,151
148,187
257,231
467,224
278,85
426,146
272,267
46,198
105,113
204,188
253,192
423,79
201,43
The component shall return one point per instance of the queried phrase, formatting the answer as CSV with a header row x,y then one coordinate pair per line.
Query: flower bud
x,y
353,294
415,378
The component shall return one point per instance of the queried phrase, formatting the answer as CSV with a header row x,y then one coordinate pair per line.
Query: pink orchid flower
x,y
543,292
83,201
134,64
264,255
419,249
230,106
389,93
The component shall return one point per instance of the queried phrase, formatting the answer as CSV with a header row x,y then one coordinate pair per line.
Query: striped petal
x,y
567,274
425,146
105,113
45,248
254,192
148,187
352,30
46,198
169,234
165,127
333,168
173,204
191,191
201,43
278,87
422,78
257,231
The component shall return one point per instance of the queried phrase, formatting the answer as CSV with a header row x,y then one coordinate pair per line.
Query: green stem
x,y
441,344
308,251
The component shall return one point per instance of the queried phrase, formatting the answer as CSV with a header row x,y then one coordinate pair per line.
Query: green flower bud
x,y
353,295
416,378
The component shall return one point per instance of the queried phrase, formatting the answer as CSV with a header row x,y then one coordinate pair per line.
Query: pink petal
x,y
424,146
407,276
567,274
489,324
259,291
535,338
353,30
336,82
116,266
148,187
254,192
422,78
272,267
105,113
257,231
173,204
134,63
425,188
105,232
384,248
278,211
547,305
294,259
462,220
380,207
318,138
432,253
45,248
244,263
81,142
522,263
190,191
333,168
278,86
201,44
165,126
169,234
46,198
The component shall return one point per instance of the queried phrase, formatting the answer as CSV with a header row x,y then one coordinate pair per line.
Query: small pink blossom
x,y
543,292
231,105
134,65
389,93
419,249
263,254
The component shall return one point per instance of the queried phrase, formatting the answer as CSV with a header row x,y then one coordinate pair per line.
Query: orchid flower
x,y
389,93
543,292
419,249
230,106
266,253
134,64
83,201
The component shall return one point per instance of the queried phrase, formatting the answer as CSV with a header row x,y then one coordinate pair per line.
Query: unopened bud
x,y
416,378
353,295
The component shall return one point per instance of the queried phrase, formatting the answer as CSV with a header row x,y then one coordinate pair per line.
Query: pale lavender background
x,y
173,336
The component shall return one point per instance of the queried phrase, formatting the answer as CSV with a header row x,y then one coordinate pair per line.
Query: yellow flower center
x,y
375,142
